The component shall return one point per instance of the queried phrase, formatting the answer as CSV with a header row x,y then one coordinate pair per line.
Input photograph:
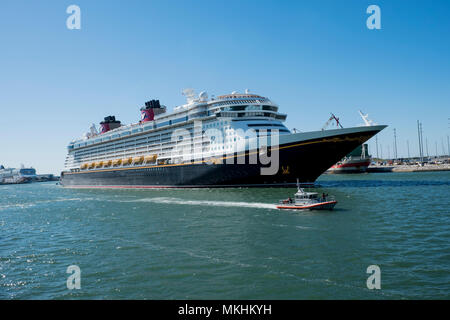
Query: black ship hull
x,y
303,159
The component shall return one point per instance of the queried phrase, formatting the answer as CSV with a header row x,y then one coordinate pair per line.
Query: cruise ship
x,y
232,140
16,176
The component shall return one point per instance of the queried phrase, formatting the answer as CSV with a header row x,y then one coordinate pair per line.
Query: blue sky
x,y
311,57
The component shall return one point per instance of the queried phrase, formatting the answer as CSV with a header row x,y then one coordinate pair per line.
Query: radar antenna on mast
x,y
93,130
366,119
190,95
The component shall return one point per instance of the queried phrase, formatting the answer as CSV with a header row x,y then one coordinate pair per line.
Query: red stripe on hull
x,y
349,165
308,207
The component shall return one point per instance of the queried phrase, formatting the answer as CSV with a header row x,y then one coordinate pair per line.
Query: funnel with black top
x,y
110,123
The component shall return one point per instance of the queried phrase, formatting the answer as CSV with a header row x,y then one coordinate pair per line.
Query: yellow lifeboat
x,y
162,161
92,165
138,160
84,166
150,158
127,161
99,164
108,163
117,162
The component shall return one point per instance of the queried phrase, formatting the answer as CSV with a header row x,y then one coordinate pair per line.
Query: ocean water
x,y
228,243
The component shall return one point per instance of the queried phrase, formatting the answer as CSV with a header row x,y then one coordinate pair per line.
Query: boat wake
x,y
167,200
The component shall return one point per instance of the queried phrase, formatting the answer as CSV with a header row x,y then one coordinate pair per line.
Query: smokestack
x,y
151,109
110,123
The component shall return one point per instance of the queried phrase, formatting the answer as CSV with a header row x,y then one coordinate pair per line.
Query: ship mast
x,y
366,119
333,117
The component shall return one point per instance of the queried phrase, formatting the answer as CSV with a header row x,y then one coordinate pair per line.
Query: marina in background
x,y
360,161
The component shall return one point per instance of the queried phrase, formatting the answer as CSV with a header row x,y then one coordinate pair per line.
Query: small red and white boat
x,y
308,201
356,162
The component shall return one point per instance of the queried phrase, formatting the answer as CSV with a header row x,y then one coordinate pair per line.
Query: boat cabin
x,y
306,195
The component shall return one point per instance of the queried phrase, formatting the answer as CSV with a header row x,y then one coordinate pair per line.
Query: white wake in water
x,y
209,203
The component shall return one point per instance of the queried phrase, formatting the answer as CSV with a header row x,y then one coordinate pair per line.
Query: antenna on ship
x,y
93,130
366,119
333,117
338,123
203,96
189,93
299,189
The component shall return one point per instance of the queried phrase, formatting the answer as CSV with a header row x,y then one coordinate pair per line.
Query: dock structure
x,y
409,168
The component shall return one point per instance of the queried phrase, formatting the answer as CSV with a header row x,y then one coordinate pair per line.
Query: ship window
x,y
265,125
271,108
179,120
